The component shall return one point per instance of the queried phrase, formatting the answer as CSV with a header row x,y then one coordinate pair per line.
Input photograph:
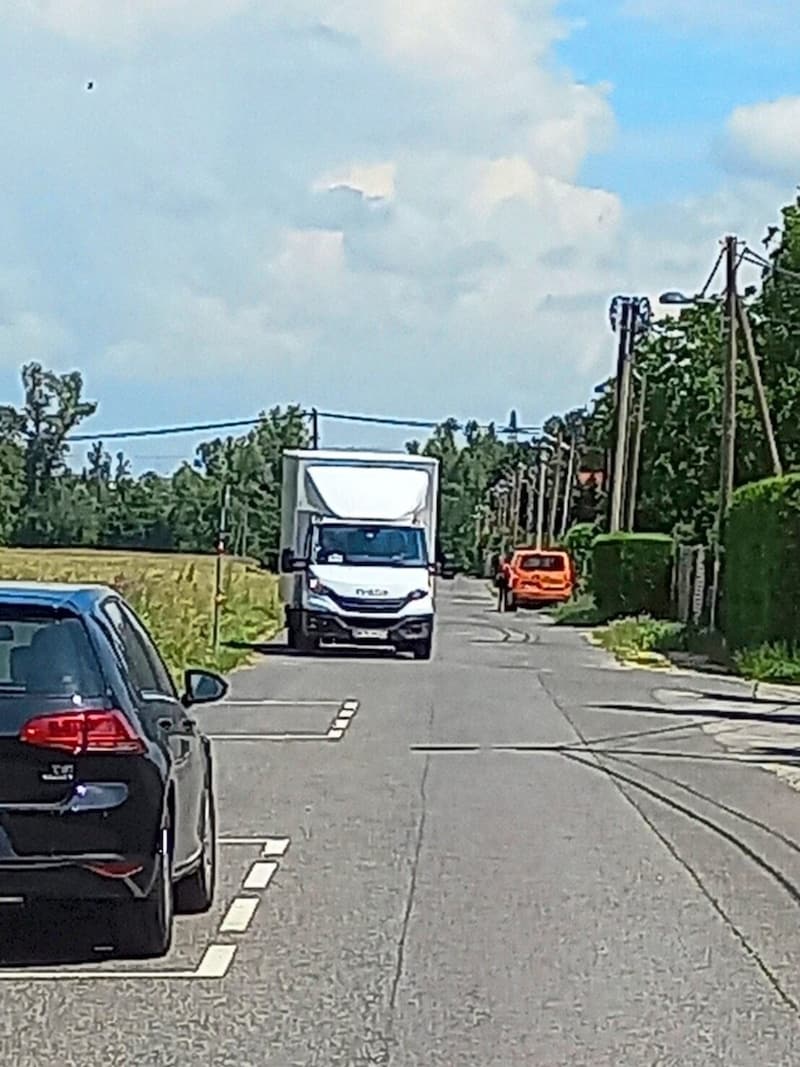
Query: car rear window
x,y
46,655
542,563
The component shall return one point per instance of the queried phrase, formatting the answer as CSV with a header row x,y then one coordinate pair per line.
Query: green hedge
x,y
761,582
631,574
578,541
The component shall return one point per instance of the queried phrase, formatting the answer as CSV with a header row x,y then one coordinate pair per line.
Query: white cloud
x,y
117,21
375,180
765,138
273,214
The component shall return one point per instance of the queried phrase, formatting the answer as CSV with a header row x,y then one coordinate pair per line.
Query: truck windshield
x,y
371,546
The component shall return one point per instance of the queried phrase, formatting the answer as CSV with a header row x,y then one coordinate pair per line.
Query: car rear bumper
x,y
72,878
539,595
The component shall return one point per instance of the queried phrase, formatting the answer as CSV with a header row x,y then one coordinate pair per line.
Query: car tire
x,y
194,894
144,927
422,649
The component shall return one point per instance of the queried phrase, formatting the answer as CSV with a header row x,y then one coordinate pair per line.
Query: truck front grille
x,y
382,607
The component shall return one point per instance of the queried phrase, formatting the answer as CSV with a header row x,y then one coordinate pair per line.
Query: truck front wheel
x,y
306,643
423,649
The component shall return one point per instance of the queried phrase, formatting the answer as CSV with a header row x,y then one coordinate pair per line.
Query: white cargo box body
x,y
393,488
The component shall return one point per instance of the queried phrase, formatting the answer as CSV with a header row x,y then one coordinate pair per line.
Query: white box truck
x,y
358,549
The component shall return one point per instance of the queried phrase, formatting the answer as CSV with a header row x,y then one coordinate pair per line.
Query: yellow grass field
x,y
173,594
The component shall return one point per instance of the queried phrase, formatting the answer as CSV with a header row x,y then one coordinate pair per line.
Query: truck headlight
x,y
316,586
418,594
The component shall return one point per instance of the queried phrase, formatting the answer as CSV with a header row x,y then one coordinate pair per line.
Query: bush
x,y
779,662
627,637
631,574
761,586
582,611
578,542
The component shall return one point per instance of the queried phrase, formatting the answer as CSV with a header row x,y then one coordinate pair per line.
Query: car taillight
x,y
82,732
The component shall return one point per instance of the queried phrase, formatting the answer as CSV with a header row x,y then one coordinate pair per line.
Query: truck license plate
x,y
370,635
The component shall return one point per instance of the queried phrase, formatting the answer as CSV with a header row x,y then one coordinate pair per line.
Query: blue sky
x,y
390,208
675,82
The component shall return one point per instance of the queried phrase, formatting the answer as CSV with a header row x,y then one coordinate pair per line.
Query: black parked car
x,y
106,786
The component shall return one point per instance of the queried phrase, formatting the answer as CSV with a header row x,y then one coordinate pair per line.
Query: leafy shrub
x,y
631,574
778,662
761,587
643,634
582,611
578,541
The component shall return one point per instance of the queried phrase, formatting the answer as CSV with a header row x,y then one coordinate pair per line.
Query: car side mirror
x,y
203,687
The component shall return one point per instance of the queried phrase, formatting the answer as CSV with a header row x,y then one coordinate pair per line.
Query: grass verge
x,y
173,595
643,639
582,611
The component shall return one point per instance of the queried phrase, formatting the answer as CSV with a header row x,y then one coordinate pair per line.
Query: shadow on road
x,y
326,652
53,935
729,714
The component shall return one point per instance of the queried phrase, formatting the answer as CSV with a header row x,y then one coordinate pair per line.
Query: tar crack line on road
x,y
412,887
593,761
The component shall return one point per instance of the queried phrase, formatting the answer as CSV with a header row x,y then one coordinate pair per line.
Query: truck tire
x,y
423,649
291,637
306,644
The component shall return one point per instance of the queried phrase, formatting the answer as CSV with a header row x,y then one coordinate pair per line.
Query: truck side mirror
x,y
286,561
291,564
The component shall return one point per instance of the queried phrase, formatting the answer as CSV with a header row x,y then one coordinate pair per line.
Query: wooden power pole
x,y
728,450
758,388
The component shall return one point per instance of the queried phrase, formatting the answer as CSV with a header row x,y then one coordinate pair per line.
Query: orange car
x,y
538,577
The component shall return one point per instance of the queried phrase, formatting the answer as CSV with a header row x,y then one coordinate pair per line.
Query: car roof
x,y
540,552
75,596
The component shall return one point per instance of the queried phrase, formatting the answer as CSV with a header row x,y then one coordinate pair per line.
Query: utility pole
x,y
555,500
636,452
624,359
218,592
633,317
568,486
516,500
531,496
314,429
540,500
758,386
728,451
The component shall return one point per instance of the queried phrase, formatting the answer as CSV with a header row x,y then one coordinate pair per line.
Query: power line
x,y
334,416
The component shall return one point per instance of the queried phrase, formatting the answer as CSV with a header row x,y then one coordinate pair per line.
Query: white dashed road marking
x,y
216,961
275,846
239,915
344,716
260,875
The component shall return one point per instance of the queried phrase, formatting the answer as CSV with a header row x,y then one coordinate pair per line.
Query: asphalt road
x,y
516,854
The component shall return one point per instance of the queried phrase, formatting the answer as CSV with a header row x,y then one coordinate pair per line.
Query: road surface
x,y
515,854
